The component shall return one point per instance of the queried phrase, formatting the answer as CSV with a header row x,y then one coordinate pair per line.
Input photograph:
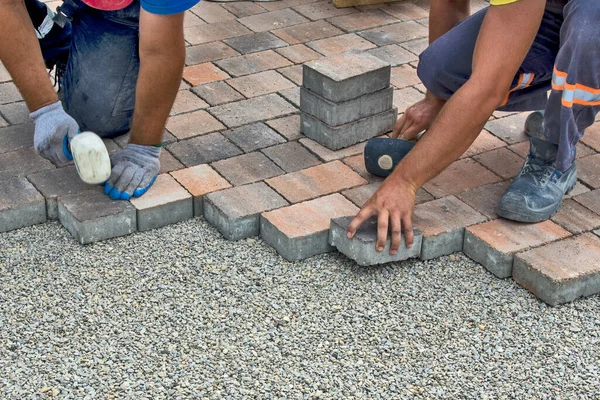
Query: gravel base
x,y
181,313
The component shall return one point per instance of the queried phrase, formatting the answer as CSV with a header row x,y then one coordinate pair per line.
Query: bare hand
x,y
393,203
418,117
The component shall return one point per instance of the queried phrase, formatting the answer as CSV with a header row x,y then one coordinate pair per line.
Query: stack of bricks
x,y
346,99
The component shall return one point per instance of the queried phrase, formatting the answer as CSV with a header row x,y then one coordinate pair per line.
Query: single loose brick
x,y
340,44
562,271
91,216
510,129
260,84
22,163
165,203
193,124
461,175
484,199
203,149
316,181
203,73
302,230
502,162
199,181
216,93
253,63
307,32
273,20
247,168
255,42
291,156
395,33
493,244
20,205
253,137
443,224
576,218
236,211
16,137
252,110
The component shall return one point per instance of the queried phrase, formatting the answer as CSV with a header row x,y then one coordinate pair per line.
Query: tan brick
x,y
247,168
199,181
216,93
405,11
293,73
485,199
364,20
168,163
281,4
579,188
484,142
315,181
502,162
588,171
510,129
302,230
591,136
395,33
213,32
461,175
208,52
253,63
273,20
576,218
212,12
203,73
404,76
522,149
9,93
187,101
289,127
307,32
357,163
339,44
244,9
193,124
329,155
322,9
590,200
191,19
256,109
493,244
406,97
260,84
298,53
22,163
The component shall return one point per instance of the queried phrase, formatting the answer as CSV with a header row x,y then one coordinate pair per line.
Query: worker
x,y
119,65
504,57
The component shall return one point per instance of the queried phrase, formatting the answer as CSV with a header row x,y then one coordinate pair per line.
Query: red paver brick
x,y
364,20
244,9
168,163
9,93
260,84
484,142
404,76
357,163
322,10
395,33
501,161
590,200
253,63
289,127
203,73
307,32
405,11
212,12
291,157
493,244
576,218
293,73
21,163
443,224
213,32
298,53
361,194
393,54
316,181
216,93
165,203
273,20
329,155
485,199
187,101
339,44
193,124
252,110
591,136
588,170
561,271
510,129
247,168
461,175
302,230
208,52
199,181
406,97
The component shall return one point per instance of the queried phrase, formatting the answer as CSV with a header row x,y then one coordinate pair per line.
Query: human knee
x,y
432,71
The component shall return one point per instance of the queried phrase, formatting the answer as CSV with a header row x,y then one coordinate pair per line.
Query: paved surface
x,y
181,313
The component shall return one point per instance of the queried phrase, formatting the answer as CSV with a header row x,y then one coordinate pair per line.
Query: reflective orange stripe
x,y
524,81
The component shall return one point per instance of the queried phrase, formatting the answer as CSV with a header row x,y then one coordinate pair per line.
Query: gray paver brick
x,y
340,113
393,54
274,19
20,205
208,52
338,137
292,95
255,42
252,110
346,76
22,163
395,33
291,156
362,247
307,32
253,137
216,93
91,216
253,63
236,211
203,149
288,126
216,31
15,113
247,168
15,137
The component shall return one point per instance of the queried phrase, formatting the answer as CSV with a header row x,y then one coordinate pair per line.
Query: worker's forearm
x,y
21,55
444,14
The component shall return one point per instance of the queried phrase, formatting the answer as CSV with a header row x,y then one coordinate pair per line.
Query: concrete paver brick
x,y
361,194
329,155
253,63
591,136
199,181
307,32
484,199
236,212
91,216
203,73
362,247
405,11
291,157
253,137
193,124
346,76
9,93
357,163
588,171
279,5
591,200
321,10
247,168
403,76
208,52
260,84
20,205
203,149
191,19
298,53
316,181
404,98
187,101
291,95
510,129
216,31
461,175
302,230
562,271
395,33
15,113
288,127
3,122
364,20
340,113
168,162
216,93
484,142
493,244
502,162
122,140
576,218
16,137
22,163
273,20
252,110
212,12
579,188
165,203
340,44
416,46
244,9
393,54
255,42
341,136
293,73
443,224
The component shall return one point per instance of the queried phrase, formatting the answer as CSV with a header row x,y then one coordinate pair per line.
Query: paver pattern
x,y
235,131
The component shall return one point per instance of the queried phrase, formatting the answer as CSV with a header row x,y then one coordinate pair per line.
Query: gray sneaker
x,y
537,191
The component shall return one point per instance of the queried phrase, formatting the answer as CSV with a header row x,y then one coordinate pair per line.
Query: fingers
x,y
134,184
409,235
399,126
396,232
382,229
361,217
144,187
412,131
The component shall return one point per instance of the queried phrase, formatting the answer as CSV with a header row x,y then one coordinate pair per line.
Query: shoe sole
x,y
91,158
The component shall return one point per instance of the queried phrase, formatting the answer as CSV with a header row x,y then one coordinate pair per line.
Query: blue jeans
x,y
564,58
102,69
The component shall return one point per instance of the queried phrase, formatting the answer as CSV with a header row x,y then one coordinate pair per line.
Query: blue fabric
x,y
168,7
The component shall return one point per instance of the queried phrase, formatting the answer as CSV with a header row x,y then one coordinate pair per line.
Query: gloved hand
x,y
53,126
134,170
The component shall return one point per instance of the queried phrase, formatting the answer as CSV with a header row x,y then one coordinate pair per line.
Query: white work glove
x,y
54,128
135,169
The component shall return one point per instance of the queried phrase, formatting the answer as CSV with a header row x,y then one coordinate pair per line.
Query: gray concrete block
x,y
362,247
21,205
338,137
235,212
15,137
253,137
495,261
91,216
346,76
335,114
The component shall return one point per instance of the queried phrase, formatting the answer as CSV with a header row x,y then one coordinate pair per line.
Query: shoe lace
x,y
538,168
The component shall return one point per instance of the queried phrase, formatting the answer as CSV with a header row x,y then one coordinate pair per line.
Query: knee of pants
x,y
434,73
101,122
